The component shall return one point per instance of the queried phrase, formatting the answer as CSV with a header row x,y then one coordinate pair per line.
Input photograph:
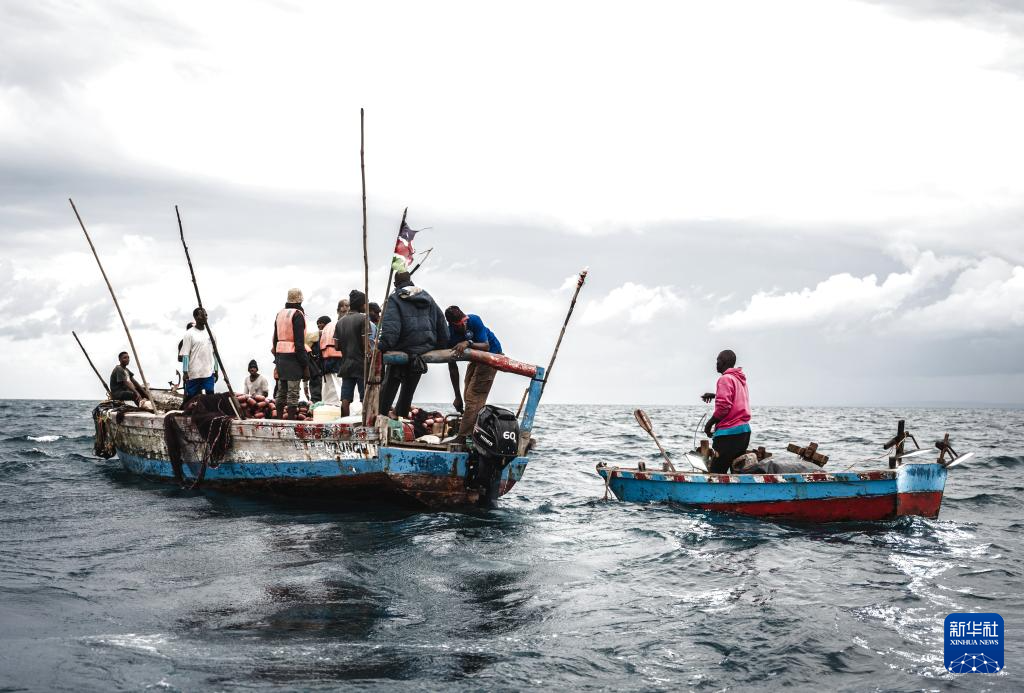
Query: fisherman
x,y
314,385
290,355
331,358
256,384
374,312
349,336
123,385
469,332
414,325
343,308
198,366
731,418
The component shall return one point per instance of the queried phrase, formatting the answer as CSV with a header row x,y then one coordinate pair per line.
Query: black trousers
x,y
728,449
394,377
123,395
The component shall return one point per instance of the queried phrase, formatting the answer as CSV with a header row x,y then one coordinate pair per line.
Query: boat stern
x,y
919,489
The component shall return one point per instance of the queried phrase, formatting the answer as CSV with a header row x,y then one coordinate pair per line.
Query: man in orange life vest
x,y
289,351
332,359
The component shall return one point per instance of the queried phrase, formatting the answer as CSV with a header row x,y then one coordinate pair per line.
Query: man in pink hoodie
x,y
731,418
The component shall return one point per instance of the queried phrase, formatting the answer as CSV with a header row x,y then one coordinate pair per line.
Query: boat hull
x,y
912,489
319,462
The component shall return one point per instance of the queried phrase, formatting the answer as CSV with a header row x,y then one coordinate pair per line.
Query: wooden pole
x,y
199,300
383,309
131,342
419,264
102,381
558,344
366,258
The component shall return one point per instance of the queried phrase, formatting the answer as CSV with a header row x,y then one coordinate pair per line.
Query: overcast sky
x,y
832,189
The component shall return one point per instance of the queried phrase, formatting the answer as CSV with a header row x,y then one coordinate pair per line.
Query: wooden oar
x,y
645,423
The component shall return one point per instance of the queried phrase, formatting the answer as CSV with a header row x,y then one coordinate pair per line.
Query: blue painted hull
x,y
912,489
325,462
427,478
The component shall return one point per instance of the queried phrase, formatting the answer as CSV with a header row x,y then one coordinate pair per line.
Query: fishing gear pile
x,y
212,416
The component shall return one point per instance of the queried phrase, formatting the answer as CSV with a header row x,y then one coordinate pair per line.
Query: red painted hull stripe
x,y
863,508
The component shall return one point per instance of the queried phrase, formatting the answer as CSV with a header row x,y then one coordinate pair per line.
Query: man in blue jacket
x,y
412,323
469,332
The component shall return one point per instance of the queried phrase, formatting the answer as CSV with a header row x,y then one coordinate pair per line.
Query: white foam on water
x,y
44,439
151,644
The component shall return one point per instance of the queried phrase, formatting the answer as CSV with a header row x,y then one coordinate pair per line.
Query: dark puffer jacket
x,y
412,322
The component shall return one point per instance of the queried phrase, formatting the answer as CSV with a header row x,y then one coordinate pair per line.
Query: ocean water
x,y
109,582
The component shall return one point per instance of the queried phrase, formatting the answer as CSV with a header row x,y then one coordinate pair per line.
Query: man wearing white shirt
x,y
198,365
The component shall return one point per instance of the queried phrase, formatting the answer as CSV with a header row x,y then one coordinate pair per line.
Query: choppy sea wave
x,y
108,582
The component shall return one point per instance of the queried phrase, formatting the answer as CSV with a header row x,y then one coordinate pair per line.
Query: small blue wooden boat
x,y
910,489
322,461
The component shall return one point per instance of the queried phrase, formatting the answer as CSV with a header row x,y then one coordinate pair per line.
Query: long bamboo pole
x,y
131,342
366,257
102,381
199,300
558,344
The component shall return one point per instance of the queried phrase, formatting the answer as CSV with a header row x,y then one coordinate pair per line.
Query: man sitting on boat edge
x,y
467,331
123,385
731,418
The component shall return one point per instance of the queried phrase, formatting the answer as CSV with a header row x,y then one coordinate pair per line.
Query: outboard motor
x,y
495,444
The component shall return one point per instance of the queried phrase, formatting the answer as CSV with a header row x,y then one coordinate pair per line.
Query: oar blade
x,y
643,420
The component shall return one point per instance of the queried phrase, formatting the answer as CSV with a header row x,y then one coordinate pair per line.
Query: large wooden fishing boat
x,y
908,488
322,461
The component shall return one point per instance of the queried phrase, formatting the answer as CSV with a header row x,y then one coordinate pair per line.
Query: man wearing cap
x,y
289,349
198,365
411,322
349,337
469,332
256,384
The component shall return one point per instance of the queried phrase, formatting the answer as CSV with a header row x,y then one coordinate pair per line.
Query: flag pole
x,y
374,380
124,323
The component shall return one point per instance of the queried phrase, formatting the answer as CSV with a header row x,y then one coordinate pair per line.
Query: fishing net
x,y
211,415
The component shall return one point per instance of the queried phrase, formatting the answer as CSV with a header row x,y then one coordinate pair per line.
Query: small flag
x,y
407,234
403,256
402,260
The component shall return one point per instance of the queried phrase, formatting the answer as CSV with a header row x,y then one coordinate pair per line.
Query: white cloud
x,y
988,297
840,300
197,100
636,302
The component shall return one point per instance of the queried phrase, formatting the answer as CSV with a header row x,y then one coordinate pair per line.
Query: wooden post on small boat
x,y
565,323
897,442
372,384
199,300
102,381
124,323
